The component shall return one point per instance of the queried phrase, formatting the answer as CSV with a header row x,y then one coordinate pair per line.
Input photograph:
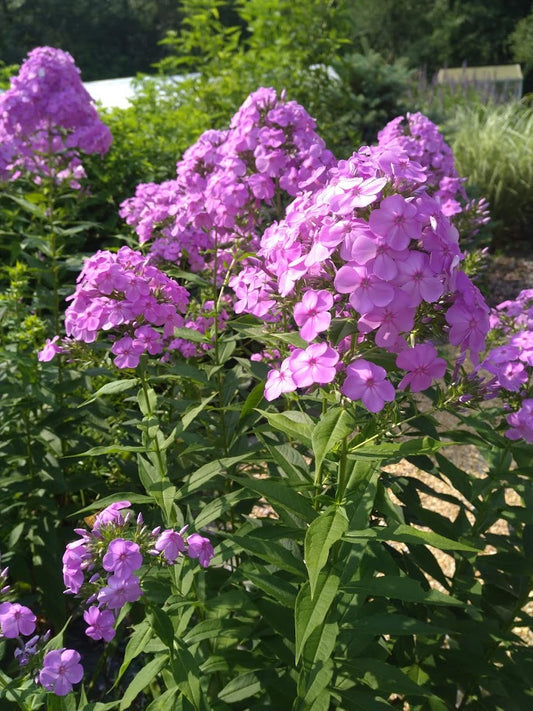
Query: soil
x,y
507,273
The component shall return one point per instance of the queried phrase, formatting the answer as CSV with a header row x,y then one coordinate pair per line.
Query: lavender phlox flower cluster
x,y
372,246
511,362
226,182
59,669
126,297
421,139
103,566
47,119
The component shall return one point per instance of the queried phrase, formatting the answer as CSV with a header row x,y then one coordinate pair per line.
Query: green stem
x,y
342,482
217,299
151,442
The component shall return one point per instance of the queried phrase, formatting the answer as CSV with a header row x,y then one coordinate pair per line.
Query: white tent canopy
x,y
111,93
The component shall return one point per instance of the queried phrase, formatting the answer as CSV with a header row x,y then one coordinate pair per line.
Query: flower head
x,y
171,544
61,669
201,548
122,558
367,382
16,620
100,623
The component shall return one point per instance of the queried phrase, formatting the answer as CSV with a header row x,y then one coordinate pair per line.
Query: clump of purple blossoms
x,y
421,139
59,669
47,120
229,184
130,300
510,362
104,565
371,249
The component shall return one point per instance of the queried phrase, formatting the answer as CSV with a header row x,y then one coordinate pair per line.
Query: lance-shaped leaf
x,y
297,425
310,612
332,428
323,532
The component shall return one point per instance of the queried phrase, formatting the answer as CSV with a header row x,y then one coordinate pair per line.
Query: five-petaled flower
x,y
61,669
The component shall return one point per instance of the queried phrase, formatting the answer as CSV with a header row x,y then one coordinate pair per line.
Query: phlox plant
x,y
47,119
280,562
48,124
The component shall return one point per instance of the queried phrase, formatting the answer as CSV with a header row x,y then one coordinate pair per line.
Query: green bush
x,y
493,146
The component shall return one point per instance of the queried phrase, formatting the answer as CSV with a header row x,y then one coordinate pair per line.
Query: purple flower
x,y
74,560
49,350
61,669
200,548
366,381
397,221
122,558
521,422
279,381
24,653
118,592
312,313
171,544
315,364
111,514
100,623
366,289
16,620
423,365
128,352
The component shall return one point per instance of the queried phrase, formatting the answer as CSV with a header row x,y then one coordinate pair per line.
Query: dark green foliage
x,y
107,39
438,34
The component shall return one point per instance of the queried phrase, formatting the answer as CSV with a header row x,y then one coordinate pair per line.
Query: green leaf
x,y
162,626
30,207
311,686
324,531
217,628
409,534
291,463
187,675
384,677
165,702
201,476
214,509
271,552
61,703
242,687
397,588
148,474
147,401
136,644
113,388
395,624
190,334
142,680
111,449
331,429
253,400
191,414
297,425
164,494
279,493
309,611
397,450
279,589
